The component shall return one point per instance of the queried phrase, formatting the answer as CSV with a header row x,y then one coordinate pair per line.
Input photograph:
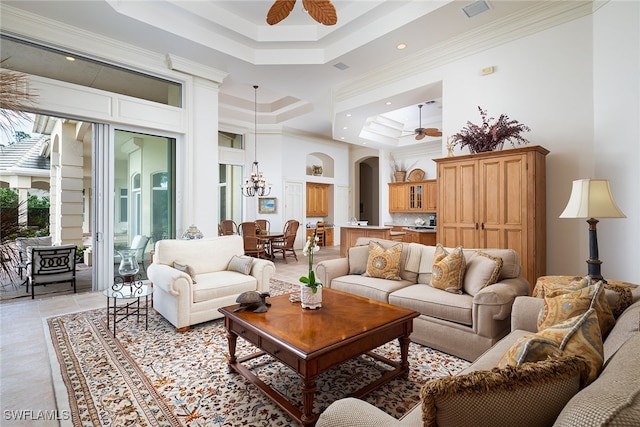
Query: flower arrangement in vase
x,y
491,134
310,289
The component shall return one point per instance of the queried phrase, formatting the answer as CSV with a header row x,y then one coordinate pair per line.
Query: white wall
x,y
616,71
544,81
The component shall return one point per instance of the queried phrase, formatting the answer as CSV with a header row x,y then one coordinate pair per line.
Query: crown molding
x,y
541,16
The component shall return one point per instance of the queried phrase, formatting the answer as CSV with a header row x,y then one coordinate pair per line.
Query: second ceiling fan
x,y
421,132
321,10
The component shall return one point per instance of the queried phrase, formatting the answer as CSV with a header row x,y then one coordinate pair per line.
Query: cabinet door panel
x,y
467,191
515,191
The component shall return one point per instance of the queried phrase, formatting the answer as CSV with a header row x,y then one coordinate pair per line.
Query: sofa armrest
x,y
350,411
524,314
328,270
169,279
262,270
501,294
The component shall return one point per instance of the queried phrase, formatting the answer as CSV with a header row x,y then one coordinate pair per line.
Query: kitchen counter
x,y
419,230
350,233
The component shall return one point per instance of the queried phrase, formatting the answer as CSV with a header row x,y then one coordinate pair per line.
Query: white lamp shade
x,y
591,198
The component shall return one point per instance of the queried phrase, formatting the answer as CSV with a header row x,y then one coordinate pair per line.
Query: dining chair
x,y
247,228
254,246
229,227
321,233
51,264
286,243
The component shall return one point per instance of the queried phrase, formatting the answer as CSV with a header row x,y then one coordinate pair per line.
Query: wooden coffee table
x,y
313,341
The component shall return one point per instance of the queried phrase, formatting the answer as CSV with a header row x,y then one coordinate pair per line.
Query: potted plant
x,y
491,134
310,290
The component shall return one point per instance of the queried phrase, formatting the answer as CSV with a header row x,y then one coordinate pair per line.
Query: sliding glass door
x,y
144,179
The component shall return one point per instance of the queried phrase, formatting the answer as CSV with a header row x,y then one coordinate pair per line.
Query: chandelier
x,y
256,184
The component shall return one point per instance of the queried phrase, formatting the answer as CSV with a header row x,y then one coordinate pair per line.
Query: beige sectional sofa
x,y
465,324
535,394
193,278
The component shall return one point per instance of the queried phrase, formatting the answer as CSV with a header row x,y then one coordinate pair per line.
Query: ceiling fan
x,y
321,10
421,132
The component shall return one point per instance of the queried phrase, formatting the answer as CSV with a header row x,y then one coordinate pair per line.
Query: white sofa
x,y
183,302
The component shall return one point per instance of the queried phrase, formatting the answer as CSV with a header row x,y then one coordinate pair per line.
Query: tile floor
x,y
26,385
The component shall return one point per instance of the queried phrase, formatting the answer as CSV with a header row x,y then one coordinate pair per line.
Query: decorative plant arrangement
x,y
491,134
310,290
309,248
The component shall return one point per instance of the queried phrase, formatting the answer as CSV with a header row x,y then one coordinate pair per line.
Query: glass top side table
x,y
134,293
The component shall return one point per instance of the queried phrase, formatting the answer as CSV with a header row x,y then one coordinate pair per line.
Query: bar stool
x,y
320,233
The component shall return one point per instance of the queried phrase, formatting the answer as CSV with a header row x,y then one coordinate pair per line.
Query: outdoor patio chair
x,y
22,243
51,264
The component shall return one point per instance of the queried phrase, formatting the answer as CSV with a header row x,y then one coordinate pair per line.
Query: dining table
x,y
267,238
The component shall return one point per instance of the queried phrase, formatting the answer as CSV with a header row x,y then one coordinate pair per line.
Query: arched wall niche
x,y
326,164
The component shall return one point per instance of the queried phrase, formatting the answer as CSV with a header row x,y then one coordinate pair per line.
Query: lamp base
x,y
593,263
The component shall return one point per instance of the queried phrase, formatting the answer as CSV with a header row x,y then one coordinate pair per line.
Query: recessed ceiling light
x,y
70,58
348,114
342,137
341,66
388,103
401,46
345,128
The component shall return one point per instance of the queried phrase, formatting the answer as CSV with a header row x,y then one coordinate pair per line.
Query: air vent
x,y
341,66
475,8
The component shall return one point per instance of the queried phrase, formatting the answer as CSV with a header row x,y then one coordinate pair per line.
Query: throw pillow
x,y
578,336
532,394
240,264
358,257
384,264
447,272
530,348
574,299
185,268
482,270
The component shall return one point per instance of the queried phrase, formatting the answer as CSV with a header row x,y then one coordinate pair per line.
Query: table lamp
x,y
591,199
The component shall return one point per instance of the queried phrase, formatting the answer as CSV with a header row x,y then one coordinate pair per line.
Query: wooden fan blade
x,y
432,132
279,10
321,10
420,136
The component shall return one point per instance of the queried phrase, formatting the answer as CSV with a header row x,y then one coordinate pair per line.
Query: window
x,y
124,204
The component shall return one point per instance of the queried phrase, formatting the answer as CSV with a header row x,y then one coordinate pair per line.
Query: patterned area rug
x,y
162,378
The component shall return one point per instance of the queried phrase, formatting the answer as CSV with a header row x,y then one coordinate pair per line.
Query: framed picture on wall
x,y
267,205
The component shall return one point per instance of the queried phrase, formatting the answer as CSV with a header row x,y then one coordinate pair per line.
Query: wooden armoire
x,y
496,200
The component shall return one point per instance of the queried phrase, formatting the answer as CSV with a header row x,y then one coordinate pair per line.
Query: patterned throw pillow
x,y
185,268
574,299
384,264
240,264
447,272
578,336
482,270
530,348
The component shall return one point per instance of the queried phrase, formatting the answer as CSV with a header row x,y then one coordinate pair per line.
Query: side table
x,y
117,313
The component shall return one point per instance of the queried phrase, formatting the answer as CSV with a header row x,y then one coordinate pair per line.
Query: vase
x,y
128,264
308,299
192,233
